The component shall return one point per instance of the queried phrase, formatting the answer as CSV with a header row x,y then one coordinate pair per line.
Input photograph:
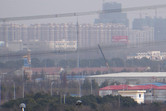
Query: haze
x,y
13,8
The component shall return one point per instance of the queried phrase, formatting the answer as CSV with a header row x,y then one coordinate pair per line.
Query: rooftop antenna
x,y
140,14
156,13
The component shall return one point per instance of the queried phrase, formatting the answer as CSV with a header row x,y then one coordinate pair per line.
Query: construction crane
x,y
106,63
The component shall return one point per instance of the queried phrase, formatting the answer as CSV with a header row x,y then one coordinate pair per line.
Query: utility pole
x,y
78,56
80,90
14,91
23,90
64,99
23,76
91,88
0,89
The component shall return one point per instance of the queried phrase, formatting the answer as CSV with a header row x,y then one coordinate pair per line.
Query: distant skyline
x,y
16,8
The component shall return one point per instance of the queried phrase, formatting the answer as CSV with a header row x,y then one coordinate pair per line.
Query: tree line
x,y
114,62
12,87
45,102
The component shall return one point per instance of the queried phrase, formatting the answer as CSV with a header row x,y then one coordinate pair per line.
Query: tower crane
x,y
106,63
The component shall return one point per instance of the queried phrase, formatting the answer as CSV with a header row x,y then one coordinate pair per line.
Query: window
x,y
139,95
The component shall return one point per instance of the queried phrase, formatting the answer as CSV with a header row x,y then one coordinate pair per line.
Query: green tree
x,y
95,84
103,84
11,64
48,63
116,62
86,85
35,62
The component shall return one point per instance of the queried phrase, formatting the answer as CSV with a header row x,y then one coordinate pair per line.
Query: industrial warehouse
x,y
141,86
130,77
140,93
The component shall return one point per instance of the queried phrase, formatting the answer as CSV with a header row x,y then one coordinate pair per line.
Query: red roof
x,y
142,87
47,70
161,87
105,69
89,70
115,87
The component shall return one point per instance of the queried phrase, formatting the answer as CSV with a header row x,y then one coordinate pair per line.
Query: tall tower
x,y
117,18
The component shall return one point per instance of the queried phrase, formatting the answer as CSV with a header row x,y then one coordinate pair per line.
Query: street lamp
x,y
51,86
14,91
78,102
22,106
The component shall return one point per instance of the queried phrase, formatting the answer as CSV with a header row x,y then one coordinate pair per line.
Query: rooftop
x,y
134,87
131,74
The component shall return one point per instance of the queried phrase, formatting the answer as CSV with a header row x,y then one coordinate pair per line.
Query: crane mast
x,y
106,63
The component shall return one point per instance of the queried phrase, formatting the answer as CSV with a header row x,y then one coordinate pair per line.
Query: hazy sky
x,y
13,8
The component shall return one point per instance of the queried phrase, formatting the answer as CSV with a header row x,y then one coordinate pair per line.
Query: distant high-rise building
x,y
117,18
139,36
10,32
159,25
40,36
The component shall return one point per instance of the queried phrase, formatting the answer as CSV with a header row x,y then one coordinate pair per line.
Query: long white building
x,y
130,77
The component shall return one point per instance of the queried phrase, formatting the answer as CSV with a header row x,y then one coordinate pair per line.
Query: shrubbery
x,y
44,102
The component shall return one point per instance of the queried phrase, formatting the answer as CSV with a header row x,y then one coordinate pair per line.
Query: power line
x,y
81,13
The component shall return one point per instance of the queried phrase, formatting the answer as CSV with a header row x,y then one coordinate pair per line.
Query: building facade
x,y
137,95
112,17
141,36
152,55
86,35
152,92
159,25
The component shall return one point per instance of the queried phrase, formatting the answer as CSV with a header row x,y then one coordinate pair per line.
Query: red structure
x,y
120,38
134,87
